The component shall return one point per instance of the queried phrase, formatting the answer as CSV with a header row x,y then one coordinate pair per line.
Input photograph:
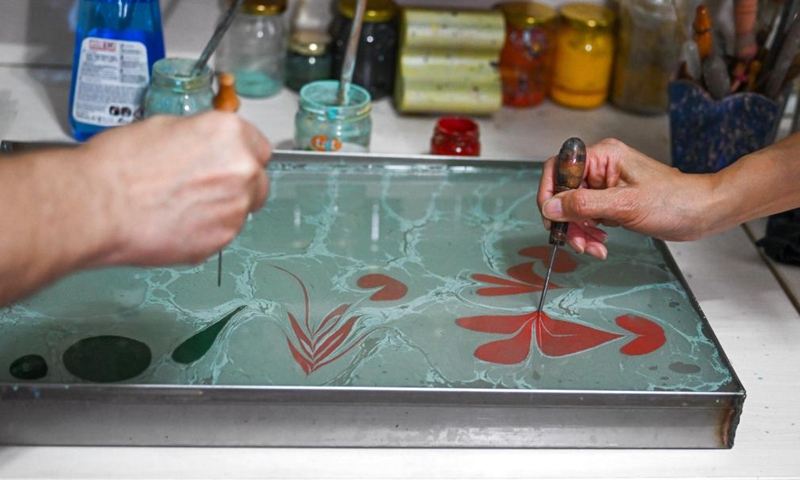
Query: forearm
x,y
53,220
757,185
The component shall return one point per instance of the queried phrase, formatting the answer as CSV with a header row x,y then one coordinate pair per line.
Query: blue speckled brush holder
x,y
707,135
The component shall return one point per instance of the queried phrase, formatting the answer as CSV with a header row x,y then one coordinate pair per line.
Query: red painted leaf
x,y
495,323
650,335
333,318
299,333
343,351
564,261
336,339
509,351
557,338
390,289
299,358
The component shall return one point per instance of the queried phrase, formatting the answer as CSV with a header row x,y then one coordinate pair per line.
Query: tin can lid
x,y
588,15
309,42
376,11
262,7
526,14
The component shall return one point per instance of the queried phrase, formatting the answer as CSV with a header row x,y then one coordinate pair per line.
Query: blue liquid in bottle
x,y
116,44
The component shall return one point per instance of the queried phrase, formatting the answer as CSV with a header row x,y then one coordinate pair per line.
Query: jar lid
x,y
588,15
376,11
262,7
309,42
526,14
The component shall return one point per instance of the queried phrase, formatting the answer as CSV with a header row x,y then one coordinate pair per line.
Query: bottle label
x,y
111,81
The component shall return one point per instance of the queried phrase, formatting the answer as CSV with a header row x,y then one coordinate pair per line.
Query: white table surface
x,y
754,320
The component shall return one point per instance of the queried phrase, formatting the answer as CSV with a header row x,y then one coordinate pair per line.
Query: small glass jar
x,y
377,49
648,48
456,136
526,59
309,58
322,125
254,48
584,56
173,91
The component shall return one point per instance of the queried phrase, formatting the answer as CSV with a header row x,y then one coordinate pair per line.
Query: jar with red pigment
x,y
456,136
526,61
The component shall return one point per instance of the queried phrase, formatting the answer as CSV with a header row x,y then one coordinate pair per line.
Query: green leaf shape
x,y
200,343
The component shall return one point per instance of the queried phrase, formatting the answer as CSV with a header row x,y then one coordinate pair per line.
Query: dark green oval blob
x,y
193,348
29,367
107,358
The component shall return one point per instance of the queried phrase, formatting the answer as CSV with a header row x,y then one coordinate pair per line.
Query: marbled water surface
x,y
396,275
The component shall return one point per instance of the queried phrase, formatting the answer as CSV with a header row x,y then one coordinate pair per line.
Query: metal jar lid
x,y
588,15
262,7
376,11
527,14
309,42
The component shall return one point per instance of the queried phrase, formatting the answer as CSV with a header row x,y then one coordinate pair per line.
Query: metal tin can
x,y
173,91
377,50
584,55
322,125
526,58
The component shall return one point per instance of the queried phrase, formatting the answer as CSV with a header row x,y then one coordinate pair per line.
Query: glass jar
x,y
584,56
377,49
173,91
456,136
648,48
254,48
526,59
309,58
322,125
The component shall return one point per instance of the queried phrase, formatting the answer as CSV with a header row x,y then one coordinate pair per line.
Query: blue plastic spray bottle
x,y
116,44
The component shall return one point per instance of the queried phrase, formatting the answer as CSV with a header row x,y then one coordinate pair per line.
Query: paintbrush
x,y
349,63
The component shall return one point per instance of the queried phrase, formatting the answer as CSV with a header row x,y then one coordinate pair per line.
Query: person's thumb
x,y
578,204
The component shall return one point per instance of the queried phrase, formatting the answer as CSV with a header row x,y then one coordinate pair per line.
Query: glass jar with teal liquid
x,y
254,48
174,91
322,125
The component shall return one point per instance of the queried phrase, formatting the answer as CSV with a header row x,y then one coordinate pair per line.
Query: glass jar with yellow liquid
x,y
584,55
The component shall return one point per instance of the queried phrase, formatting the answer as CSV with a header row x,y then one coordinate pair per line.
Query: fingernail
x,y
579,245
552,208
596,251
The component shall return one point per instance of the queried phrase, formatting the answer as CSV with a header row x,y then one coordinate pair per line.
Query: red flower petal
x,y
557,338
507,352
524,272
495,323
391,289
511,288
650,335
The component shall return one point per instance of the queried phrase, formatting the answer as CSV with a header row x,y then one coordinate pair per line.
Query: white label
x,y
111,80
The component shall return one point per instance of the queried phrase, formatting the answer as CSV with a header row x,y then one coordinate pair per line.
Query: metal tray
x,y
375,301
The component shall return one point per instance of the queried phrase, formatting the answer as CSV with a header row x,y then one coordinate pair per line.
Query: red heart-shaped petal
x,y
557,338
391,289
650,335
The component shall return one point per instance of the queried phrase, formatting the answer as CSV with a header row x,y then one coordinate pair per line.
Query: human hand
x,y
624,187
176,189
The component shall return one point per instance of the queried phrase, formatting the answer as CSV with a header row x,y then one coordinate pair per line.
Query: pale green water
x,y
329,238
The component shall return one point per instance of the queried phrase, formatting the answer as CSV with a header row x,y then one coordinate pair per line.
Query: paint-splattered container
x,y
707,135
322,125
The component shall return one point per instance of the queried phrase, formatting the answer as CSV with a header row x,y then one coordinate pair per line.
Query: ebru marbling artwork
x,y
380,275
